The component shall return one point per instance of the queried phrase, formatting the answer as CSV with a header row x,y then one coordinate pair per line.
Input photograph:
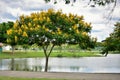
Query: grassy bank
x,y
14,78
31,54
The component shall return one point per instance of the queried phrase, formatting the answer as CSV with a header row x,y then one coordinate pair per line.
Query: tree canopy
x,y
48,27
112,43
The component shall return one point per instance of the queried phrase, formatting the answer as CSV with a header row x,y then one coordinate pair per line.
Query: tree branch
x,y
51,49
44,49
112,10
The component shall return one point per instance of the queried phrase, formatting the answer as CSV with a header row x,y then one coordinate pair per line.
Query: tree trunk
x,y
106,53
47,55
46,64
13,48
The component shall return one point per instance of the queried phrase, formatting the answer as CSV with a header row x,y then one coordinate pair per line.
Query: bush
x,y
59,55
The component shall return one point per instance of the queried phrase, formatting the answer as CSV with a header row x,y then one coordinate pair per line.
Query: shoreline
x,y
62,75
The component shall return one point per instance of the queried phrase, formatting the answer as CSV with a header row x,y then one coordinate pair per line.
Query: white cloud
x,y
10,10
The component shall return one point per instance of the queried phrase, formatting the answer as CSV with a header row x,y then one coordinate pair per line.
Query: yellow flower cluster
x,y
46,29
19,31
53,32
74,27
9,32
22,18
37,28
35,19
15,25
59,31
84,33
87,24
29,24
43,27
16,38
24,27
40,16
31,29
71,16
25,34
77,31
48,19
50,10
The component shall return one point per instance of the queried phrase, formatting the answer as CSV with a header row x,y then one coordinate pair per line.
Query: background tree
x,y
93,3
96,2
50,28
115,37
112,43
12,38
3,30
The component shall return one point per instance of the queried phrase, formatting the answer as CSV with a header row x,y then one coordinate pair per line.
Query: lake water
x,y
109,64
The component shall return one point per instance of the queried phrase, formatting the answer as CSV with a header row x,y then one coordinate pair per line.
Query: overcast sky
x,y
10,10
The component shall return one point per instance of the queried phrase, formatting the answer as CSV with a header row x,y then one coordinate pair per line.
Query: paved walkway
x,y
63,75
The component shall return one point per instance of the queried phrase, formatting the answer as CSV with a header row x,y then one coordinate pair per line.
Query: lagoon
x,y
109,64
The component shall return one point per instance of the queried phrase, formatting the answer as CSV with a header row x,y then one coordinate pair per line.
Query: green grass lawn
x,y
32,54
15,78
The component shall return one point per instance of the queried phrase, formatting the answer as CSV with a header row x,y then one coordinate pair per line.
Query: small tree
x,y
12,39
3,30
112,43
51,28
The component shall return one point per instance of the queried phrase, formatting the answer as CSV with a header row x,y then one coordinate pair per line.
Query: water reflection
x,y
109,64
23,65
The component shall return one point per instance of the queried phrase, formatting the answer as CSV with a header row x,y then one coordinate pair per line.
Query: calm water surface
x,y
109,64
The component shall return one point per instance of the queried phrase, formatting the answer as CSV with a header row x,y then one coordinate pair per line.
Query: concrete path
x,y
62,75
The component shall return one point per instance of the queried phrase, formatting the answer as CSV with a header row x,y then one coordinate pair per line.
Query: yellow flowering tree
x,y
51,28
12,38
17,35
